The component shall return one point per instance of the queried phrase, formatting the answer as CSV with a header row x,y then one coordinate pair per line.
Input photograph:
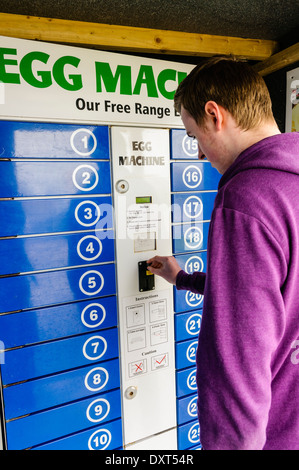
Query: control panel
x,y
141,170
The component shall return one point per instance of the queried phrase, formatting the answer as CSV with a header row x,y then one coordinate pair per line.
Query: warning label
x,y
137,368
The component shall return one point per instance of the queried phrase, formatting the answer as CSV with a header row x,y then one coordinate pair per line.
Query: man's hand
x,y
164,266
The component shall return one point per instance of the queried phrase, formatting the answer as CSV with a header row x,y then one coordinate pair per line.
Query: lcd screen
x,y
144,200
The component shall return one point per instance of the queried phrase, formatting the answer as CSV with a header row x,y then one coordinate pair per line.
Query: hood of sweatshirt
x,y
263,155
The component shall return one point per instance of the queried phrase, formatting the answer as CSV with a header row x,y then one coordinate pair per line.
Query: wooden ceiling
x,y
256,30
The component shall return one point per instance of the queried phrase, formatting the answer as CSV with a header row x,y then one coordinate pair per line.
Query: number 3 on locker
x,y
87,213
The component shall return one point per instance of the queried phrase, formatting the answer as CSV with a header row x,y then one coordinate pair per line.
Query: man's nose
x,y
201,155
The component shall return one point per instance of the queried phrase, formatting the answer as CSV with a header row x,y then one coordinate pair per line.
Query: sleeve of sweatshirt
x,y
194,282
242,325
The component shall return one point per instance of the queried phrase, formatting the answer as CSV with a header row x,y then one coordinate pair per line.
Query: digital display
x,y
144,200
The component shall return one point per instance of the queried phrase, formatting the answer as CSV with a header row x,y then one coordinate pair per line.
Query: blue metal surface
x,y
188,435
182,146
190,237
56,287
195,206
22,255
108,436
34,216
49,140
185,353
63,354
191,262
193,176
45,324
39,394
187,325
186,300
57,422
59,315
186,381
186,409
47,178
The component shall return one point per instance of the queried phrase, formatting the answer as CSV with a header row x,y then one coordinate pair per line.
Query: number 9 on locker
x,y
98,410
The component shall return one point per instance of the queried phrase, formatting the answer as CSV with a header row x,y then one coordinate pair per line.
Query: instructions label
x,y
142,218
148,331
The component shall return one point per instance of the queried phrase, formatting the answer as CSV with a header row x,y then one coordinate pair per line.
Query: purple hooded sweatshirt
x,y
248,351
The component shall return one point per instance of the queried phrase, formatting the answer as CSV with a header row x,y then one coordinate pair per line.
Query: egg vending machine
x,y
92,345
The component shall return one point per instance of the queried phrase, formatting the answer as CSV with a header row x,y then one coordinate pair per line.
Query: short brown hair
x,y
232,84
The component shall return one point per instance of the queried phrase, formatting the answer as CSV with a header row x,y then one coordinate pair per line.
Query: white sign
x,y
292,104
42,81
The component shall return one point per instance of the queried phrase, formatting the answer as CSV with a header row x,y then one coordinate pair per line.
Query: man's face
x,y
208,139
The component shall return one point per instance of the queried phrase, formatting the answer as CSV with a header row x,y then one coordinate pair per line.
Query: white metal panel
x,y
292,101
166,440
141,170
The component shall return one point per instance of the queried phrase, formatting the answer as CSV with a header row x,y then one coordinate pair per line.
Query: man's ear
x,y
215,114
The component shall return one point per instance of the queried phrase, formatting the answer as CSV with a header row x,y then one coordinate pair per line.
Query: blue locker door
x,y
55,287
49,140
26,254
182,146
39,216
55,423
57,389
47,178
193,176
106,437
55,356
45,324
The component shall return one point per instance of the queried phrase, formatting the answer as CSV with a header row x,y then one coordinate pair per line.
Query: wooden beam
x,y
278,61
120,38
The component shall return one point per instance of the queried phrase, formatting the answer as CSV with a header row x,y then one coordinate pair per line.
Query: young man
x,y
248,351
